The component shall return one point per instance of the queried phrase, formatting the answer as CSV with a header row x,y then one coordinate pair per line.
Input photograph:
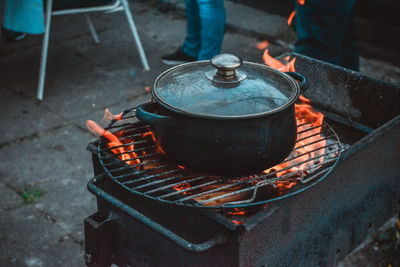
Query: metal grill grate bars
x,y
253,197
247,181
157,179
125,145
149,177
260,183
158,182
137,172
252,188
172,185
189,189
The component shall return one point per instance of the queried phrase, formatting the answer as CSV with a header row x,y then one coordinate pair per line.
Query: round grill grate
x,y
135,163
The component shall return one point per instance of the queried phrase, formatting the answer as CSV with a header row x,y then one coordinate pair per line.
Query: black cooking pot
x,y
224,120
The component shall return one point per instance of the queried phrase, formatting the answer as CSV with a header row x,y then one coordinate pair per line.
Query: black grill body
x,y
316,227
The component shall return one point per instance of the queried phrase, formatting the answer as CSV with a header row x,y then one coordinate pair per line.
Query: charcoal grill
x,y
143,220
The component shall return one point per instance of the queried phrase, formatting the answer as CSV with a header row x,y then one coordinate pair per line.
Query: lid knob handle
x,y
226,64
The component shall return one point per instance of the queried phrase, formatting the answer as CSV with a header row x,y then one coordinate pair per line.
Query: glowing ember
x,y
148,89
181,187
237,222
301,2
237,212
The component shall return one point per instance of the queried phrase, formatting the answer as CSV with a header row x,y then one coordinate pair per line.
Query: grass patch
x,y
30,195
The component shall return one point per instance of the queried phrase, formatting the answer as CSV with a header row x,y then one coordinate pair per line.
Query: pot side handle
x,y
145,112
303,83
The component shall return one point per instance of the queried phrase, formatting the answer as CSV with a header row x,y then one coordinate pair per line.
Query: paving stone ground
x,y
44,165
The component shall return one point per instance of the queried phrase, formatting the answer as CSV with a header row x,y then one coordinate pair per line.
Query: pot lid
x,y
228,88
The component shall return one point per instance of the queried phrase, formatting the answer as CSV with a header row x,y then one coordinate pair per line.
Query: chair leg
x,y
92,29
43,60
135,35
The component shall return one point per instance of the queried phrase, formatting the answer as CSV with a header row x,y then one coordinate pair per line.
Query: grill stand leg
x,y
101,240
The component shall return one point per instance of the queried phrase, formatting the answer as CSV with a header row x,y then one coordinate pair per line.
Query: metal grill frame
x,y
305,183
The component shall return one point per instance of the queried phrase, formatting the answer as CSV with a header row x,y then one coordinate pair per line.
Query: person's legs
x,y
205,31
192,44
350,56
212,20
24,16
321,27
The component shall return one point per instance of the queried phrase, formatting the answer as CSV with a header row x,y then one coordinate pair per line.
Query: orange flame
x,y
310,142
276,64
108,116
285,185
290,18
262,45
125,153
151,134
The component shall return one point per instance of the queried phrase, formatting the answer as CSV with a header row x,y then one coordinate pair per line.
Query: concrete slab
x,y
19,71
120,44
24,118
83,90
65,27
5,91
27,238
73,86
57,164
14,47
10,200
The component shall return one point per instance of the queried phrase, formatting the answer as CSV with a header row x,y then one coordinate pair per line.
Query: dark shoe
x,y
178,57
12,36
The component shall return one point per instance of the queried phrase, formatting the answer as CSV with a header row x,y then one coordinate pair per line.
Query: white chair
x,y
117,5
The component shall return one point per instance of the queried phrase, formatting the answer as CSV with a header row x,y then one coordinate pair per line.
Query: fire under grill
x,y
138,165
152,212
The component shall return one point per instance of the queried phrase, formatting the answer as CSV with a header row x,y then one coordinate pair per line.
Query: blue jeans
x,y
326,30
205,28
23,16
